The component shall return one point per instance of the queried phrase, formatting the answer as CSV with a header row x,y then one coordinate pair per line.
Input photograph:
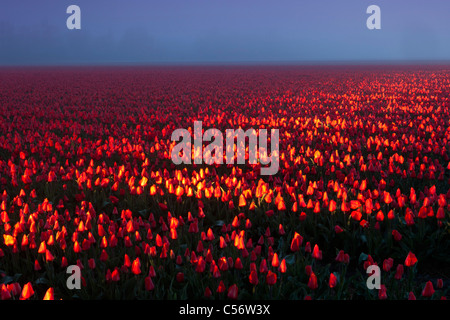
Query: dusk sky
x,y
222,31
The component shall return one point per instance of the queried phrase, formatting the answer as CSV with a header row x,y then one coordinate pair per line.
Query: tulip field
x,y
86,179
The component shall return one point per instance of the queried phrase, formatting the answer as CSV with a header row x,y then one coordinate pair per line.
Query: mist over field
x,y
200,31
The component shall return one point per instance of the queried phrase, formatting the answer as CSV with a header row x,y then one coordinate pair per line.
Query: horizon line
x,y
418,62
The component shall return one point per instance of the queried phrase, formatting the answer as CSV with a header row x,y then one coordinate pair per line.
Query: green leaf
x,y
143,213
42,280
290,259
363,238
16,277
219,223
362,257
6,280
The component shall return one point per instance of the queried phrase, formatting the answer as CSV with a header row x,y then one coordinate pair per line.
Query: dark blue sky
x,y
222,31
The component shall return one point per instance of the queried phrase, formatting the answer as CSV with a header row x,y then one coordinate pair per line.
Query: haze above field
x,y
231,31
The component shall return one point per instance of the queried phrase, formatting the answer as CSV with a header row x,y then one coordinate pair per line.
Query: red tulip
x,y
271,278
308,247
439,283
333,280
397,236
221,287
148,283
312,282
382,295
180,277
387,264
208,292
238,264
4,293
340,256
428,290
308,269
338,229
410,259
296,242
263,266
399,272
233,292
317,254
136,266
115,276
253,278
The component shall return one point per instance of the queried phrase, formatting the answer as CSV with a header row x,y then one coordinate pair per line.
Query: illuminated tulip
x,y
9,240
4,293
242,201
221,287
317,254
238,264
275,261
410,259
76,247
296,242
115,276
48,256
27,291
356,215
282,267
253,277
136,266
409,218
210,235
332,281
49,294
332,206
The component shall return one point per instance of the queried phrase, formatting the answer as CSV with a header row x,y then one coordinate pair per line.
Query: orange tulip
x,y
27,291
49,294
